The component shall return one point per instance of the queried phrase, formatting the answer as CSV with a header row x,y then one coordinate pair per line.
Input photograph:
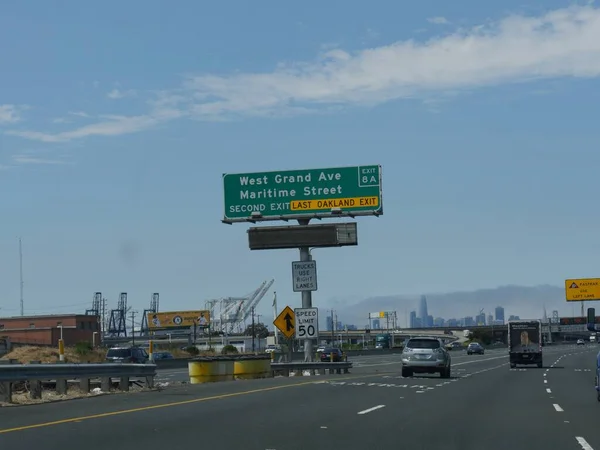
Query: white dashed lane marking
x,y
374,408
583,443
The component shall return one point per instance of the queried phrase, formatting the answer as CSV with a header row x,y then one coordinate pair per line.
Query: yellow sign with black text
x,y
582,289
355,202
286,322
178,319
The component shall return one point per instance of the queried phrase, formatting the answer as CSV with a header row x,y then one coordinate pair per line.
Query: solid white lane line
x,y
374,408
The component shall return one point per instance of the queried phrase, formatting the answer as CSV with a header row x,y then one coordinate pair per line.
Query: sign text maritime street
x,y
307,323
285,322
304,276
310,193
582,289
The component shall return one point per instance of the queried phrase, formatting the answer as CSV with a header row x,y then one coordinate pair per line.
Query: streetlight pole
x,y
253,331
61,345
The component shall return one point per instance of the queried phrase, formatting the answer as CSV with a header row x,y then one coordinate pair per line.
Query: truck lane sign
x,y
582,289
304,276
307,323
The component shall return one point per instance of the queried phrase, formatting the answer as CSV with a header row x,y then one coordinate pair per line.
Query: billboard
x,y
178,319
295,194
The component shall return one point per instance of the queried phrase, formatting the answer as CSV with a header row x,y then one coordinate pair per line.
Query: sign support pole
x,y
306,297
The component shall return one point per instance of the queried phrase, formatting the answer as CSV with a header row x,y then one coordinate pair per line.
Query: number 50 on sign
x,y
307,323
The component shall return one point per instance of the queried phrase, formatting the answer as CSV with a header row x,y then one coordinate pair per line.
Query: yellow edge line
x,y
168,405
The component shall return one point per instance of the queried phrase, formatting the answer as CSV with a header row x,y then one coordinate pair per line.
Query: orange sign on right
x,y
582,289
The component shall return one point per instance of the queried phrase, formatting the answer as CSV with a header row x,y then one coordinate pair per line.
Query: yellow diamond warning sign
x,y
584,289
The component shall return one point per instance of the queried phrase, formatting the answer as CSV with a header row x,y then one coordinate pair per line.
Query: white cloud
x,y
439,20
111,125
26,159
79,114
10,113
564,43
117,94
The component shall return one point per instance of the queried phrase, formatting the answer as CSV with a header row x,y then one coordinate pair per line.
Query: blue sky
x,y
117,121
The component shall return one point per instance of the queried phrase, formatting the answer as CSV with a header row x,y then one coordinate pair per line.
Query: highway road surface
x,y
485,404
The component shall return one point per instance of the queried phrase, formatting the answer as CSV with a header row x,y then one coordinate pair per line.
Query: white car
x,y
273,348
580,342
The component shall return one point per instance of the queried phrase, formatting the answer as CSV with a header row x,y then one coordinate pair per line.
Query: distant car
x,y
454,346
162,355
425,355
580,342
134,355
475,347
273,348
327,352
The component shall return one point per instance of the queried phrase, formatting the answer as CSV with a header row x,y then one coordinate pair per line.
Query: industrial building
x,y
46,330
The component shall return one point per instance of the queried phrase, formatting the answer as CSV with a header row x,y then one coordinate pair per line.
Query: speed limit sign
x,y
307,323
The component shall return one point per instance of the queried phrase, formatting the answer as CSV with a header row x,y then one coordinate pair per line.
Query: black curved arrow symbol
x,y
289,324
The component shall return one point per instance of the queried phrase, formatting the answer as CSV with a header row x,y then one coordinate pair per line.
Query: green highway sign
x,y
298,194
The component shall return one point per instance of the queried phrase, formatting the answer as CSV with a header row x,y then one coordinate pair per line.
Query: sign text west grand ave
x,y
304,276
309,193
307,323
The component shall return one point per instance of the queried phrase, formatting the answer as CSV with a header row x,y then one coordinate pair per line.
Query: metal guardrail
x,y
180,363
321,367
35,373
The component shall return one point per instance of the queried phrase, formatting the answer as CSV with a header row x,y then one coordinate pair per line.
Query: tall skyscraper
x,y
423,313
413,319
500,314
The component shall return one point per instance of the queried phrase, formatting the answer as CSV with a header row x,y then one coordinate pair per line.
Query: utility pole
x,y
332,329
253,330
258,337
275,333
21,278
133,327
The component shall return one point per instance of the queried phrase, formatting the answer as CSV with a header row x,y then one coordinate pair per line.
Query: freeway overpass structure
x,y
556,332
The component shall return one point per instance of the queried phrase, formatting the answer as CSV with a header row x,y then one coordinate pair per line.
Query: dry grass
x,y
50,355
23,398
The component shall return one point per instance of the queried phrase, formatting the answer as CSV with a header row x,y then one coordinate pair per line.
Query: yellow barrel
x,y
209,370
224,369
202,370
251,367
